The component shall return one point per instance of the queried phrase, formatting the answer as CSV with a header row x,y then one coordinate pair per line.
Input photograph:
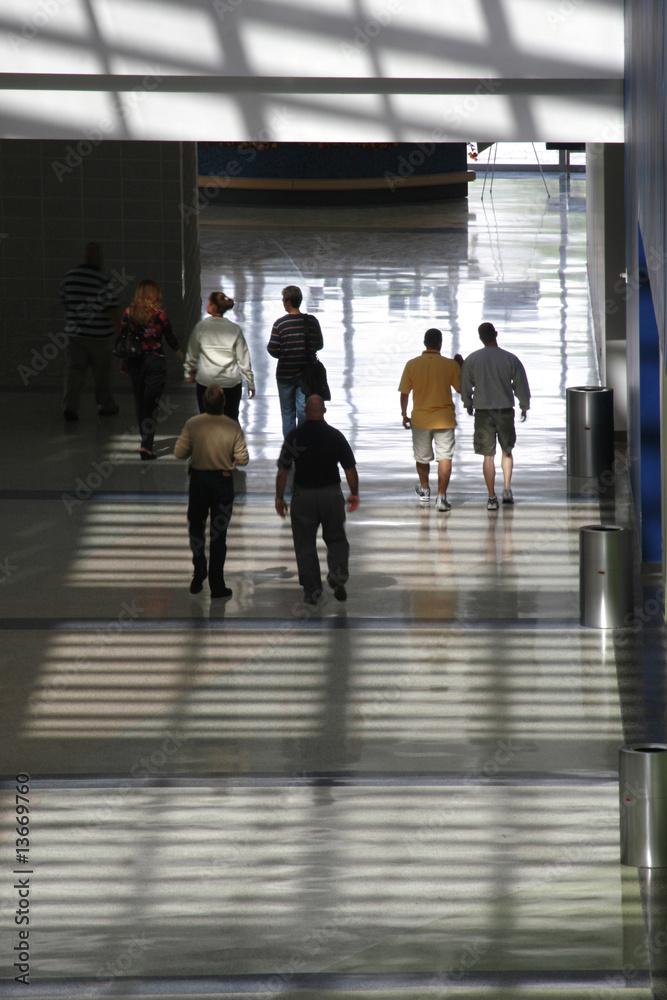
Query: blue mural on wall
x,y
330,160
649,409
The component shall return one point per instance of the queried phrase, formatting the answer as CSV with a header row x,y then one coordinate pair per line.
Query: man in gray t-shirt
x,y
490,379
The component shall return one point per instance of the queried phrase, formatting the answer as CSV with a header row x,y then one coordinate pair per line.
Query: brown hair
x,y
214,399
222,302
147,300
292,294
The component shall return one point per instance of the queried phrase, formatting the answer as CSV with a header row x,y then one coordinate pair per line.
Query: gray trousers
x,y
310,508
82,353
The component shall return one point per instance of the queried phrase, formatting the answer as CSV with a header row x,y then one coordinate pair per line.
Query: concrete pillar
x,y
605,198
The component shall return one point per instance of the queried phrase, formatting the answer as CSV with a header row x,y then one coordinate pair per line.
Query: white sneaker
x,y
492,503
423,494
507,495
442,504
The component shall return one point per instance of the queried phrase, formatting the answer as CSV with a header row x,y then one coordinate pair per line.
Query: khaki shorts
x,y
424,442
490,424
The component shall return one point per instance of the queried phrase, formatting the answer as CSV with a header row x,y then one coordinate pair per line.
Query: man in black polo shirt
x,y
316,449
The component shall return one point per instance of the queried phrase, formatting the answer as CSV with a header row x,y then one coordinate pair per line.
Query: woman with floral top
x,y
148,372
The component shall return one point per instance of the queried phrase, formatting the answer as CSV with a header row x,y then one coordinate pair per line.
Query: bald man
x,y
316,450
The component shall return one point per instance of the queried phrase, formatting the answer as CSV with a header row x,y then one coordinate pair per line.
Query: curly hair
x,y
147,300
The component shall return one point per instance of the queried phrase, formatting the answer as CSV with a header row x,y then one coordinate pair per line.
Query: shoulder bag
x,y
314,375
129,344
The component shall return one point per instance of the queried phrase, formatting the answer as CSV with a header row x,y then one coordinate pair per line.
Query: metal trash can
x,y
605,575
589,419
643,804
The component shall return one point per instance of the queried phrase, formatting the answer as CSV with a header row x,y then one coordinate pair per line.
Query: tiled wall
x,y
55,197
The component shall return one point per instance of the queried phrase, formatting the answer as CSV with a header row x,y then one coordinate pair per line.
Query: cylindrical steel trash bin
x,y
605,575
589,417
643,804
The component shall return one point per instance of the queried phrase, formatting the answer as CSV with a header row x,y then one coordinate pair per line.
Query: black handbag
x,y
314,375
129,345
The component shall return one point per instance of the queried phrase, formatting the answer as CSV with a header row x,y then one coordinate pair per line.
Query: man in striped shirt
x,y
288,345
91,320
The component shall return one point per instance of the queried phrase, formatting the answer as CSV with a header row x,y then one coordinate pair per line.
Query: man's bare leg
x,y
423,469
444,474
489,470
507,463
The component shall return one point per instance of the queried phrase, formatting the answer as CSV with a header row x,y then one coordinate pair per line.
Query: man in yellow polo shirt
x,y
431,378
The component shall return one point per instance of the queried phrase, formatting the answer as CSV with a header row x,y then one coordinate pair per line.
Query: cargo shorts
x,y
492,424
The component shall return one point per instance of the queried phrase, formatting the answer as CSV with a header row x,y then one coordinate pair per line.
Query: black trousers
x,y
233,395
148,375
211,493
309,509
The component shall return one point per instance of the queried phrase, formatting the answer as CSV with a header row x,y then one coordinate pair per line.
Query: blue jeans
x,y
292,405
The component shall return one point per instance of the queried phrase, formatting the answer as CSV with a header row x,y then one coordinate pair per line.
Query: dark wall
x,y
57,196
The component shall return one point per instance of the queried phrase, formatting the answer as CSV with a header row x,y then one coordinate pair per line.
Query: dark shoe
x,y
70,415
146,456
492,503
339,590
110,411
225,592
197,583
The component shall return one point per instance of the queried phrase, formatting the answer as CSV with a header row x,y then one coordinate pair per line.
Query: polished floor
x,y
413,794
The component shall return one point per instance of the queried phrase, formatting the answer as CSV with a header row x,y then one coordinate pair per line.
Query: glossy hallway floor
x,y
413,794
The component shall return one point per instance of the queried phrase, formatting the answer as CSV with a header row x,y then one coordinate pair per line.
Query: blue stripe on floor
x,y
609,979
313,621
311,779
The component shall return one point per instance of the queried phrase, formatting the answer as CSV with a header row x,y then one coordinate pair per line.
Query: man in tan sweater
x,y
214,444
